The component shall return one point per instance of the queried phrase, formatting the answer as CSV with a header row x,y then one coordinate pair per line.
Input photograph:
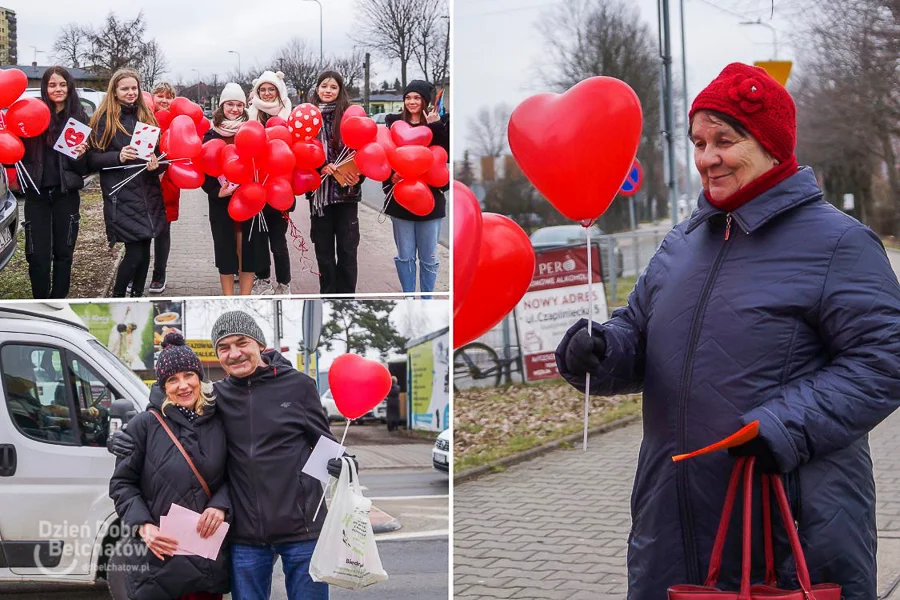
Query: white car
x,y
378,413
440,455
62,393
90,99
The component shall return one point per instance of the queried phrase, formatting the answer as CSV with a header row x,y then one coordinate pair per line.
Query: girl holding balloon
x,y
268,99
133,211
233,251
334,206
52,211
417,235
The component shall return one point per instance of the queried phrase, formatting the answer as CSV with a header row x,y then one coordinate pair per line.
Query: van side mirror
x,y
120,413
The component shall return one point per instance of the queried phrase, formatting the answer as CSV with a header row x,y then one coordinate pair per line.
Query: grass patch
x,y
624,285
489,426
14,281
891,242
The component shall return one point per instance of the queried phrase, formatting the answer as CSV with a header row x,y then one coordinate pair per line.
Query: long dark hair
x,y
72,107
341,104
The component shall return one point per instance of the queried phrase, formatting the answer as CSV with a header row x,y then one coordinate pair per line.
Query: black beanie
x,y
176,357
422,88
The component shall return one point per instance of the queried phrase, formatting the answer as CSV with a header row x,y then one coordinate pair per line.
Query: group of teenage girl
x,y
137,215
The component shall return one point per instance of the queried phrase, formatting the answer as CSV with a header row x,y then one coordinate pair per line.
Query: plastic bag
x,y
345,554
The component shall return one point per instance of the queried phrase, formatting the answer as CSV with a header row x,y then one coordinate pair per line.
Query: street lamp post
x,y
774,33
239,60
321,53
198,84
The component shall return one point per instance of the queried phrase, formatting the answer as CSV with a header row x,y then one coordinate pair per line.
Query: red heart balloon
x,y
148,100
279,194
358,384
183,139
183,106
309,154
385,140
234,168
164,118
356,132
438,175
504,272
250,139
371,160
247,201
305,180
558,139
185,175
405,134
278,160
354,110
411,161
414,196
278,132
466,241
203,126
28,117
276,122
210,158
11,148
12,85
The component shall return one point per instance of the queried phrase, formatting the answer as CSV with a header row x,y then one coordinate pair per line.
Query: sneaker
x,y
283,289
158,287
128,289
262,287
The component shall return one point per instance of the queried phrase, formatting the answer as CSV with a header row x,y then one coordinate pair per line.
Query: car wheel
x,y
115,573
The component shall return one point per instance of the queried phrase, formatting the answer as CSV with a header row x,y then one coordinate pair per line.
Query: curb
x,y
508,461
382,522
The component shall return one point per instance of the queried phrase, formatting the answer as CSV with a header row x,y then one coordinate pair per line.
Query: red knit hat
x,y
758,102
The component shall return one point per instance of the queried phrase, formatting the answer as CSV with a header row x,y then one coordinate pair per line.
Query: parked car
x,y
62,393
379,118
90,98
9,221
440,455
379,413
559,236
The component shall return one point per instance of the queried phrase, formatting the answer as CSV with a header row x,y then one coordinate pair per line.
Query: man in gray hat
x,y
273,419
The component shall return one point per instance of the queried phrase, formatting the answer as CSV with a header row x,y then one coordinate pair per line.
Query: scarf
x,y
229,127
270,108
764,182
324,195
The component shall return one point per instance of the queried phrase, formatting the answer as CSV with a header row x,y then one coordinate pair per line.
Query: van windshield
x,y
119,365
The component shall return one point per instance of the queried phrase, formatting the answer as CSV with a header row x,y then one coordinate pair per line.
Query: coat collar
x,y
794,191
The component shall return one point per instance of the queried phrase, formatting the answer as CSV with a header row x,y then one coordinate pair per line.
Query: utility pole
x,y
687,109
669,125
366,86
214,100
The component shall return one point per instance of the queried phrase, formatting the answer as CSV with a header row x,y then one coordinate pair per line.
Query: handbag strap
x,y
183,452
793,536
715,561
771,577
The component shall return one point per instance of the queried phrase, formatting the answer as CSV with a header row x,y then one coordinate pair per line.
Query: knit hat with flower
x,y
758,102
175,358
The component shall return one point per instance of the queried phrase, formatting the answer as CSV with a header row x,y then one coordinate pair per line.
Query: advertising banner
x,y
126,329
429,383
556,299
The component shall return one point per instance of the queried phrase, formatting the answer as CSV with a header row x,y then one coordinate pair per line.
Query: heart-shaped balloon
x,y
183,106
466,241
210,158
276,122
371,160
203,126
250,139
148,100
305,180
354,110
185,175
278,159
164,118
12,85
438,175
11,148
590,132
183,139
236,169
358,384
278,132
411,162
414,196
405,134
504,272
356,132
279,194
247,201
28,117
309,154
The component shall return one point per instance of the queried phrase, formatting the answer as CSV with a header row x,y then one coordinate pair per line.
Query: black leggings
x,y
336,238
161,246
51,228
276,238
133,269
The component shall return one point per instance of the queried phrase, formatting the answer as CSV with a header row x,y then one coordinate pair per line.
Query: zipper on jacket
x,y
259,512
692,560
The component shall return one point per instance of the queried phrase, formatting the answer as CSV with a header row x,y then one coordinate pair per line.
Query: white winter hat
x,y
276,79
233,92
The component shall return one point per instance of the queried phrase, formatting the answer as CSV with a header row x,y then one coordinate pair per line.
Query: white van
x,y
58,386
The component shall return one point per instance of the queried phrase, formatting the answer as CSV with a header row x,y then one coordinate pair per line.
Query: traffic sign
x,y
633,181
780,70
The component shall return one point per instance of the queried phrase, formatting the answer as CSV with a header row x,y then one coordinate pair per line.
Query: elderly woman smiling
x,y
768,304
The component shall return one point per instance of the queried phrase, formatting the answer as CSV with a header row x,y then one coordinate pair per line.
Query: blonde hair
x,y
110,110
163,87
206,398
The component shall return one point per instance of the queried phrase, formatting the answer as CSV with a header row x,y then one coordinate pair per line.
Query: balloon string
x,y
387,200
325,489
299,242
252,223
124,182
587,376
28,175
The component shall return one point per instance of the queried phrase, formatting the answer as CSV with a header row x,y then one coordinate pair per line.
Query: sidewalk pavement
x,y
191,270
557,526
395,456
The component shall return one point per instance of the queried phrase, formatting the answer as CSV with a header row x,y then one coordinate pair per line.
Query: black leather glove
x,y
336,464
584,352
765,460
120,443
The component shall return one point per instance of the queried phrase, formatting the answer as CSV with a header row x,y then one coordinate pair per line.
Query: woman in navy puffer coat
x,y
768,304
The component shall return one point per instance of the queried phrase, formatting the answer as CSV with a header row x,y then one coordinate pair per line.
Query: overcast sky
x,y
496,46
198,34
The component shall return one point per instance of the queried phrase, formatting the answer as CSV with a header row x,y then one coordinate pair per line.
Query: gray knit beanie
x,y
236,322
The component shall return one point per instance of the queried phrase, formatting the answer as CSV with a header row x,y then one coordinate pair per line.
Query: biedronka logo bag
x,y
345,555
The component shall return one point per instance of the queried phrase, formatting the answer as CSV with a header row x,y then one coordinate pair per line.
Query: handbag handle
x,y
183,453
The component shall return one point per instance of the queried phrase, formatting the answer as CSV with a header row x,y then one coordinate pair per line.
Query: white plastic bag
x,y
345,554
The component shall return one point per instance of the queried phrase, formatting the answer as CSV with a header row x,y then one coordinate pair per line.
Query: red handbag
x,y
767,591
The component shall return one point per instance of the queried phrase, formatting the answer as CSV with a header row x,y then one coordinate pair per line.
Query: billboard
x,y
555,300
428,374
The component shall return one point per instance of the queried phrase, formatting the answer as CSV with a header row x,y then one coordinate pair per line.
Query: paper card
x,y
144,140
179,552
73,134
317,464
181,524
227,184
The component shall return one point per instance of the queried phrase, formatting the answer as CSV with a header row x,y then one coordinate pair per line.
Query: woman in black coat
x,y
157,475
134,214
52,211
414,235
232,247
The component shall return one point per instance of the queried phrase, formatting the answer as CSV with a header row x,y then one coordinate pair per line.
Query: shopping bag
x,y
767,591
345,554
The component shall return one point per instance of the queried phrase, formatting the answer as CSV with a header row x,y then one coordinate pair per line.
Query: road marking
x,y
435,496
412,535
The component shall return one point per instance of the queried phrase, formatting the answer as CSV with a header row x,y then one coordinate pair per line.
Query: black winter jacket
x,y
135,212
71,172
440,132
273,419
146,484
211,184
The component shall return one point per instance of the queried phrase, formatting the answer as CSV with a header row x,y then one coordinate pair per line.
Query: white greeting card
x,y
73,134
317,463
144,139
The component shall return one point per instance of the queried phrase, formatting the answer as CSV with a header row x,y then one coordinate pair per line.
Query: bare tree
x,y
117,44
299,64
487,130
428,42
352,66
388,28
153,64
71,46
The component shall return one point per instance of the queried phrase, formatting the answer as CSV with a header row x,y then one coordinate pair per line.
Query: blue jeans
x,y
417,238
251,571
